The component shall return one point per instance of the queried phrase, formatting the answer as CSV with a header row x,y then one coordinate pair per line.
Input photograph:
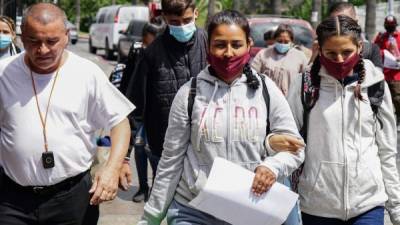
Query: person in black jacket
x,y
369,50
178,54
136,53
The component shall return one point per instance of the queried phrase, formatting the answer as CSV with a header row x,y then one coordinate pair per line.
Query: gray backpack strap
x,y
191,96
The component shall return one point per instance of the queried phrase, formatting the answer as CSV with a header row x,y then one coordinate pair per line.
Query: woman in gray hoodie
x,y
228,120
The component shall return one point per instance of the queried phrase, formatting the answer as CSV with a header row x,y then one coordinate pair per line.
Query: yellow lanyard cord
x,y
44,121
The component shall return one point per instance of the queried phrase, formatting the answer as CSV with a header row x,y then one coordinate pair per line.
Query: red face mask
x,y
339,70
227,68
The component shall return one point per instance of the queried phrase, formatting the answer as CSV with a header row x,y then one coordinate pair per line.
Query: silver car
x,y
73,33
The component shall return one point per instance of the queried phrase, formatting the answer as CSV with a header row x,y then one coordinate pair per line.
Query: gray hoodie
x,y
228,121
350,164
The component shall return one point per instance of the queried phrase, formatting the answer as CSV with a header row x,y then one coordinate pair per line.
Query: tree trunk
x,y
2,7
316,13
370,19
277,7
78,15
211,10
134,2
236,5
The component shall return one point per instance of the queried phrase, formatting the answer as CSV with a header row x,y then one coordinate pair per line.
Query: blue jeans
x,y
179,214
294,217
374,216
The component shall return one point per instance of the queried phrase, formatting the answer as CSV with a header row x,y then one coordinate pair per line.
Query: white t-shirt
x,y
83,101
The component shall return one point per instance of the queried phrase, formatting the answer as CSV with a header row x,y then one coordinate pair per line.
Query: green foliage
x,y
303,11
202,6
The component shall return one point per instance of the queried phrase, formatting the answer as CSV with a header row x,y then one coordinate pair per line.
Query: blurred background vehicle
x,y
259,24
133,34
110,20
73,33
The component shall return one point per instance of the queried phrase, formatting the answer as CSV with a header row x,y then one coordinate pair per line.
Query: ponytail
x,y
360,70
252,80
315,77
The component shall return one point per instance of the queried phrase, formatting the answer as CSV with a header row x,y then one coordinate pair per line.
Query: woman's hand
x,y
263,180
282,143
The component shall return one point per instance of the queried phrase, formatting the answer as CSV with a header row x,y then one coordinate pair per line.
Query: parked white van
x,y
110,20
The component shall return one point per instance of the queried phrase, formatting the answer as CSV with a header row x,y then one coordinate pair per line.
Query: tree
x,y
236,5
316,12
370,19
78,15
211,10
276,7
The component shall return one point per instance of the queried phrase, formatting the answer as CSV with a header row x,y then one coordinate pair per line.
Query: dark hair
x,y
228,17
269,35
176,7
338,26
151,28
341,6
282,28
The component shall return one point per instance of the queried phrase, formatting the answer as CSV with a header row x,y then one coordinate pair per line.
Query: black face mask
x,y
390,28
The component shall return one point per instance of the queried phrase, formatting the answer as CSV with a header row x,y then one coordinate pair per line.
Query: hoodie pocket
x,y
365,183
324,192
195,175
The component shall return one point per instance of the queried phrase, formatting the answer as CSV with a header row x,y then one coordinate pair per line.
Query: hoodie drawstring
x,y
203,118
360,135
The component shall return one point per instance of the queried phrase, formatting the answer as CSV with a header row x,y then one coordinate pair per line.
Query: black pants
x,y
394,87
141,156
66,206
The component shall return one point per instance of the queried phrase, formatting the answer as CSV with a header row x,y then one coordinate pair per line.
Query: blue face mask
x,y
182,33
282,48
5,41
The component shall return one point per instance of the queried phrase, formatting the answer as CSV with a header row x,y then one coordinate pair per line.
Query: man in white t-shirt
x,y
51,103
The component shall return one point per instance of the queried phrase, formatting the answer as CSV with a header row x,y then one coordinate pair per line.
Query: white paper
x,y
227,195
389,60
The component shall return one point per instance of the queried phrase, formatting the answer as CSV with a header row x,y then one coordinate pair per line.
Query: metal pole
x,y
390,7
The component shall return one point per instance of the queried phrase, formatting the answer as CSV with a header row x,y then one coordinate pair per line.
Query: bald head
x,y
343,8
44,13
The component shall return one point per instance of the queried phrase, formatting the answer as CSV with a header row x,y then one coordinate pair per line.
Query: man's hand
x,y
281,143
125,177
263,180
105,185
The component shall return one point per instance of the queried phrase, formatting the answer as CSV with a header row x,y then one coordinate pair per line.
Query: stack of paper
x,y
227,196
390,61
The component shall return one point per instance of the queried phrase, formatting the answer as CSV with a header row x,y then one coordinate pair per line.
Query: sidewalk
x,y
122,211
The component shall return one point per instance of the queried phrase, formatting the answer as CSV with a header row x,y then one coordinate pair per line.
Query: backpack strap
x,y
191,96
267,101
308,95
375,96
